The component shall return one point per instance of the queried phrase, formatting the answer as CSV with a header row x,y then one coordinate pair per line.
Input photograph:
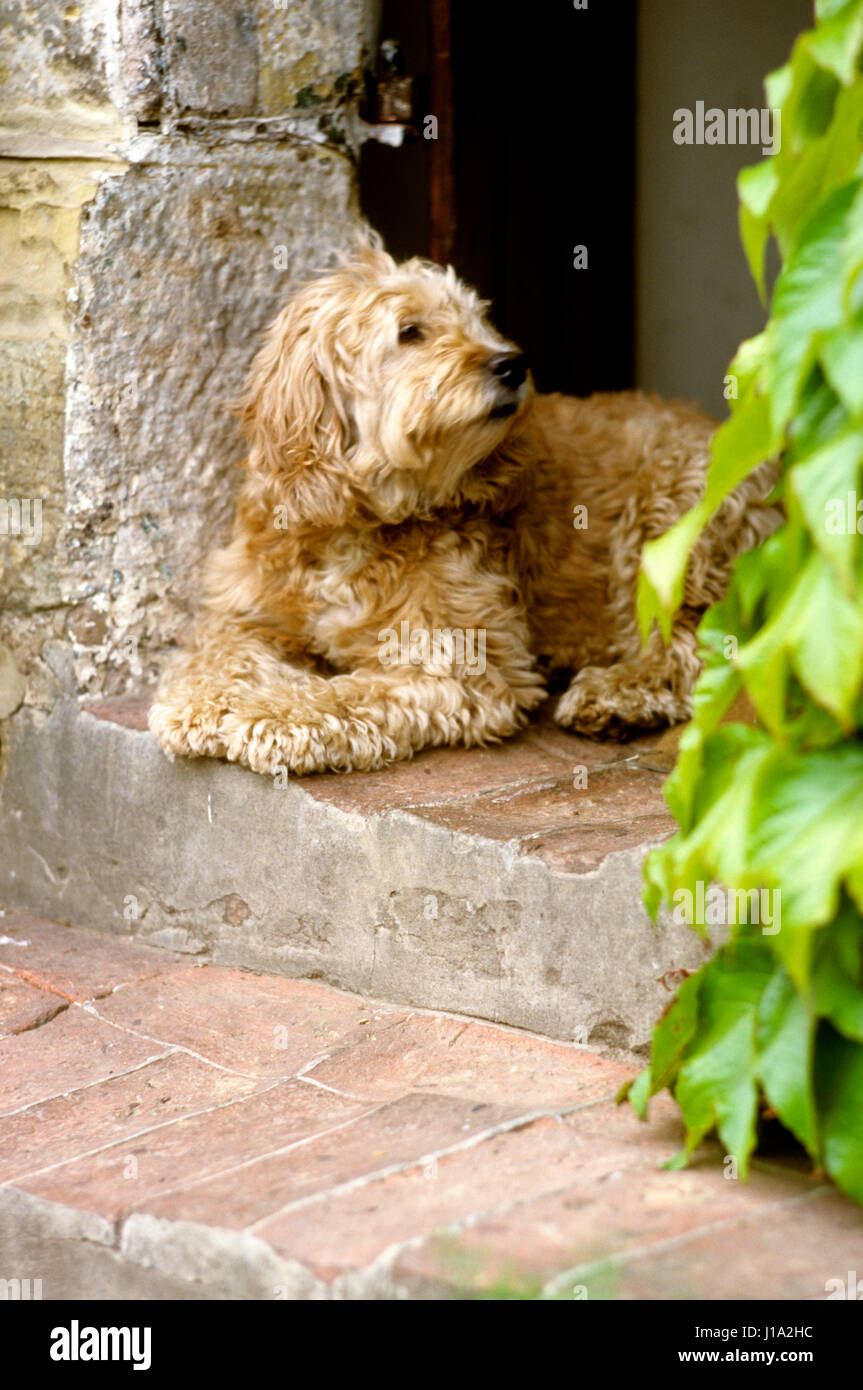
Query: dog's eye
x,y
410,333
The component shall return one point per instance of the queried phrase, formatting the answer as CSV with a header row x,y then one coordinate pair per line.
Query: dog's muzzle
x,y
509,370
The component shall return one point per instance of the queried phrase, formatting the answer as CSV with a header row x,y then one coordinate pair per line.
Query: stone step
x,y
179,1130
502,883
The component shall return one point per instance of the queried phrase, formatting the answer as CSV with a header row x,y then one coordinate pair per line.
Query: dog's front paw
x,y
184,729
600,705
328,743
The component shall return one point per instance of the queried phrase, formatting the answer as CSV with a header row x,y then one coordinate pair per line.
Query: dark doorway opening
x,y
542,162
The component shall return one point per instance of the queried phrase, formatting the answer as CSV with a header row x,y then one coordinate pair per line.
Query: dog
x,y
408,493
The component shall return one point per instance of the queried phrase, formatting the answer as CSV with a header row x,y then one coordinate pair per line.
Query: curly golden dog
x,y
420,539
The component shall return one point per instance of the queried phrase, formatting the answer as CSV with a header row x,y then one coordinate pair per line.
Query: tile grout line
x,y
540,781
140,1133
258,1158
423,1160
174,1050
364,1179
331,1090
38,983
73,1090
178,1047
585,825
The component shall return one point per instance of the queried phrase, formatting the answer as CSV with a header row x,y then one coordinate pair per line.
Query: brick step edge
x,y
148,1258
208,859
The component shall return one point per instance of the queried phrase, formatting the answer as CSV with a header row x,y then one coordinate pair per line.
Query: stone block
x,y
55,69
209,859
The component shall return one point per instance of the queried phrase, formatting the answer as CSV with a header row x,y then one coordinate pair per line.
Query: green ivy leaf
x,y
824,9
842,358
818,632
837,977
716,1084
807,303
852,249
820,416
835,44
822,484
715,846
637,1092
815,103
747,364
777,1015
819,169
777,86
786,1036
756,187
806,837
714,692
739,445
663,569
674,1034
839,1086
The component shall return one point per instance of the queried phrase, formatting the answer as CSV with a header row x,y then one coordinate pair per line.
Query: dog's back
x,y
609,472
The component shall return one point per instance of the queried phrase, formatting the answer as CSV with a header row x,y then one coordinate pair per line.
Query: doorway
x,y
537,136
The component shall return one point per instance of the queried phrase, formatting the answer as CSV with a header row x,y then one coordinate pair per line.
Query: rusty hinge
x,y
390,97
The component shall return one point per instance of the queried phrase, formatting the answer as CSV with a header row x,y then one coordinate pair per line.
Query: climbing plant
x,y
774,1021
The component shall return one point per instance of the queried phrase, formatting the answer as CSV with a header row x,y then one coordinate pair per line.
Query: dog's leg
x,y
646,688
234,697
639,688
647,691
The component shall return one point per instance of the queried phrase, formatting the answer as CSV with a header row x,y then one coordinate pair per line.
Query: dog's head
x,y
384,387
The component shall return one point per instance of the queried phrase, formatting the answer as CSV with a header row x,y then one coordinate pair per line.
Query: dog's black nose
x,y
510,368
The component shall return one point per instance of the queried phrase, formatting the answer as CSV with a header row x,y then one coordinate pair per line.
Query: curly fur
x,y
386,483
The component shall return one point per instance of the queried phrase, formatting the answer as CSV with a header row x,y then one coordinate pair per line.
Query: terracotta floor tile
x,y
788,1254
596,1220
75,962
403,1126
472,1061
255,1024
23,1005
401,1132
74,1049
551,1205
139,1170
444,776
56,1130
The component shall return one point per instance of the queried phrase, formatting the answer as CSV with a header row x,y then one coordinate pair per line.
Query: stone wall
x,y
155,154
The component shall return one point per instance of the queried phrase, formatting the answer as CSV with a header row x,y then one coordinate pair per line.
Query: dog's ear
x,y
294,411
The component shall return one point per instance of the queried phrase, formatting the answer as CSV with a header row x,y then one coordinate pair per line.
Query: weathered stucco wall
x,y
155,156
